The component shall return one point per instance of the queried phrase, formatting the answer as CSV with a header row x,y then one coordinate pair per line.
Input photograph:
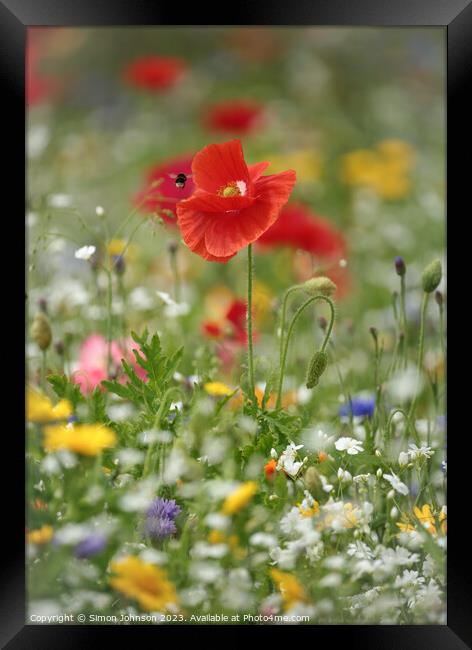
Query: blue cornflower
x,y
90,546
160,519
359,406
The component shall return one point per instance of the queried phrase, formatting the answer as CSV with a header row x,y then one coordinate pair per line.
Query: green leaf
x,y
66,389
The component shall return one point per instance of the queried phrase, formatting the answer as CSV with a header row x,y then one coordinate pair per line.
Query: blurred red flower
x,y
233,325
239,117
233,204
166,194
39,87
299,227
154,73
230,332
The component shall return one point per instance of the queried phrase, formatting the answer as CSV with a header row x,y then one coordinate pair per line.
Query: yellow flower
x,y
41,535
216,537
309,512
239,498
306,162
86,439
262,300
217,389
291,590
117,246
145,583
39,408
426,518
384,169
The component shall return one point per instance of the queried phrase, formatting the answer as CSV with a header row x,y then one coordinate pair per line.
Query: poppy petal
x,y
276,188
206,202
256,170
193,225
218,165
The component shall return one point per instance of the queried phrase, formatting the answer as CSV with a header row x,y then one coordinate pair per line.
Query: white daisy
x,y
351,445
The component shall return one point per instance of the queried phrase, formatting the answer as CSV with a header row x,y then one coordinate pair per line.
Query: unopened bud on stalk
x,y
400,266
374,333
378,453
313,481
394,513
432,276
316,368
59,347
41,331
439,298
172,247
321,285
391,494
379,473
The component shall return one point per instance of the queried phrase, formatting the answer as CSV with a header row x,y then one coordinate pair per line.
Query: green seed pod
x,y
316,368
432,276
321,285
41,331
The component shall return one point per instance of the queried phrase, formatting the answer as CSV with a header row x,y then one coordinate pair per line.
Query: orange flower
x,y
233,203
270,469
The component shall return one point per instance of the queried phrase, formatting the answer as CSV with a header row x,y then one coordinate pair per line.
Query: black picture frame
x,y
455,16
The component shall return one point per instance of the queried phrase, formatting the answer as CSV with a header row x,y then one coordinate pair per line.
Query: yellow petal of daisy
x,y
217,389
143,582
239,498
85,439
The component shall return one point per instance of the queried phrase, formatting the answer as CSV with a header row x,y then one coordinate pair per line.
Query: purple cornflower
x,y
359,406
160,519
90,546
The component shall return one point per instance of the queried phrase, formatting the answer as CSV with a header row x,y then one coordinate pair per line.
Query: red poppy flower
x,y
39,87
233,204
154,73
239,117
166,194
298,227
233,325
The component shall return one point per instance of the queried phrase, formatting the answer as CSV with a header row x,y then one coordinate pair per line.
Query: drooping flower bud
x,y
400,266
321,285
439,298
316,368
41,331
374,333
432,276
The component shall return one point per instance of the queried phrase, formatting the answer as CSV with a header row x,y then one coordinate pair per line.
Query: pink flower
x,y
93,361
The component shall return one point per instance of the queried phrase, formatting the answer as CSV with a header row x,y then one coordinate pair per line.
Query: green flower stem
x,y
282,321
424,306
442,331
44,370
289,334
250,351
410,426
157,423
403,320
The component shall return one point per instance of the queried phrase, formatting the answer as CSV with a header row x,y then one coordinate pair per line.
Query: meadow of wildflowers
x,y
235,400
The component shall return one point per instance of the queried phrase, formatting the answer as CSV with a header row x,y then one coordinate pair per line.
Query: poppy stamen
x,y
236,188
